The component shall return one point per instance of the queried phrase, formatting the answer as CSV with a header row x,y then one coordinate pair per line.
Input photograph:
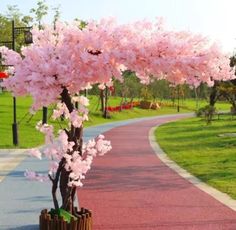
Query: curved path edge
x,y
220,196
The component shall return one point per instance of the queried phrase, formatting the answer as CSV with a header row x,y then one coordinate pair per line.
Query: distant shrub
x,y
207,112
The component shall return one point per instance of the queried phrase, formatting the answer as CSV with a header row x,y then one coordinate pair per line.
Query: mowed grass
x,y
199,149
192,105
30,137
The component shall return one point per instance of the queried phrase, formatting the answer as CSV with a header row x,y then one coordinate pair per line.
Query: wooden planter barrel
x,y
83,222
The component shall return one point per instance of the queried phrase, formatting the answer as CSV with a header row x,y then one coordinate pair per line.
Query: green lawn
x,y
199,149
29,137
191,104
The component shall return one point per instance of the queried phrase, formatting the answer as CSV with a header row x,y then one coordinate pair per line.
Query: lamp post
x,y
178,98
106,113
45,115
11,45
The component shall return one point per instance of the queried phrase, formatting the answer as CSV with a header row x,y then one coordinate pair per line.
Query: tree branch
x,y
55,183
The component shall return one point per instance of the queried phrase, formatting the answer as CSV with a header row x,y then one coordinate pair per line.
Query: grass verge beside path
x,y
29,137
200,150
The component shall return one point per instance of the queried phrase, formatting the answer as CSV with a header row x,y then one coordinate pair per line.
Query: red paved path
x,y
130,188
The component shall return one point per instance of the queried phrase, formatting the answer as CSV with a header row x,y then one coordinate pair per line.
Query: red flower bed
x,y
3,75
124,106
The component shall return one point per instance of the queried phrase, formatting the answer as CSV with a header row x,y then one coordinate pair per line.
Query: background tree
x,y
57,14
13,13
228,91
131,86
160,89
40,12
214,94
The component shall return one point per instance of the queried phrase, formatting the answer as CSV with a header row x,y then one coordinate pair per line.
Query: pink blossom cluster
x,y
177,56
62,148
71,57
47,130
77,116
109,84
77,165
31,175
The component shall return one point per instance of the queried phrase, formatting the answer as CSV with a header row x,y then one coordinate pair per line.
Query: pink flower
x,y
84,101
109,84
47,130
60,110
101,86
75,119
53,166
31,175
35,153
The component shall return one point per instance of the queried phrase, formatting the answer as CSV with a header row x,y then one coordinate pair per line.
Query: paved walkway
x,y
129,188
9,159
21,200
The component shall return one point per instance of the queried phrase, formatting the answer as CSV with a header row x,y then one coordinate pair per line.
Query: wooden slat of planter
x,y
88,216
75,224
51,224
56,222
91,218
41,222
90,222
82,222
72,221
85,221
48,218
64,225
42,219
79,223
61,223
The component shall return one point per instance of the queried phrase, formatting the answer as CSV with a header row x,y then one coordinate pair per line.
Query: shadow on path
x,y
26,227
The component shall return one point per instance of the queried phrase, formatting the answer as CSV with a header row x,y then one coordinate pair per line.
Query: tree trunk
x,y
62,176
196,97
213,95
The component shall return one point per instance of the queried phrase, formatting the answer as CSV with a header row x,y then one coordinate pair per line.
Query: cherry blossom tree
x,y
178,56
65,59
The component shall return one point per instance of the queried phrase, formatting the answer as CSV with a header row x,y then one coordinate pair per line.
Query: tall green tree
x,y
12,13
57,14
40,11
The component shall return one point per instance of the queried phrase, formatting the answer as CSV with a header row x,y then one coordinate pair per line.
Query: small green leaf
x,y
62,213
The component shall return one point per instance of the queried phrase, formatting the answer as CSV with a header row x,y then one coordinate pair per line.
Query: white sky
x,y
215,18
